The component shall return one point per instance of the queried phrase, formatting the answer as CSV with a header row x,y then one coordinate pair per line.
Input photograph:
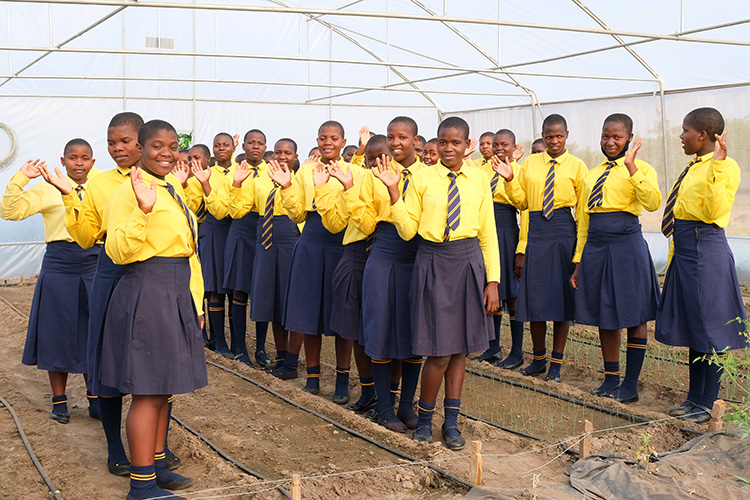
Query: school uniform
x,y
701,291
548,234
152,341
275,238
482,163
386,323
456,258
617,285
317,252
58,323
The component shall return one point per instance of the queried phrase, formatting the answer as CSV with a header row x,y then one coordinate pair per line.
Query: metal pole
x,y
124,66
664,132
195,76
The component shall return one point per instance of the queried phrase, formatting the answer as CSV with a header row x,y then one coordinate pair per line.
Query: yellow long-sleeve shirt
x,y
194,198
253,196
424,210
707,192
526,190
621,192
42,198
499,196
164,232
217,203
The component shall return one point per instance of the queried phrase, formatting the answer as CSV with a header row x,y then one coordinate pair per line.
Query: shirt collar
x,y
444,171
123,171
411,168
618,162
559,159
703,158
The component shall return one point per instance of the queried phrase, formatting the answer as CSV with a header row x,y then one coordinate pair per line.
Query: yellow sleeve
x,y
241,200
407,214
583,230
523,233
127,229
81,219
17,204
516,194
331,205
358,159
196,283
646,187
293,199
217,203
487,235
194,195
362,205
722,182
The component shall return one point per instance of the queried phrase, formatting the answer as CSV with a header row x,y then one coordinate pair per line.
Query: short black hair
x,y
128,118
487,134
506,131
421,140
313,149
349,147
203,148
406,121
286,139
431,141
375,141
77,142
538,141
554,119
226,134
254,131
454,122
151,127
622,119
707,119
268,155
332,123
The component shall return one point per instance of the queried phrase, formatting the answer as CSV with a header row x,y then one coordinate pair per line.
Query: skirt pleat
x,y
212,241
239,254
346,283
506,223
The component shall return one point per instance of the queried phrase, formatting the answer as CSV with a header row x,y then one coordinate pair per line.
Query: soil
x,y
277,440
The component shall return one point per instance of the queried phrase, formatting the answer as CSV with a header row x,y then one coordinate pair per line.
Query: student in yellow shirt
x,y
456,271
485,149
701,293
308,197
419,148
550,186
58,323
614,273
537,146
431,156
275,240
348,153
358,157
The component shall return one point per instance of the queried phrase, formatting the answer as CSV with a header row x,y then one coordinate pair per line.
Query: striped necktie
x,y
454,207
226,171
597,194
255,172
667,221
266,237
405,172
548,202
185,209
493,183
79,191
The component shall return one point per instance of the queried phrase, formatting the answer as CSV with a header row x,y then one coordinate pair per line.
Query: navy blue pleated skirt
x,y
506,222
347,290
447,299
57,335
309,296
271,271
152,336
106,277
239,254
545,293
212,241
617,286
701,292
386,309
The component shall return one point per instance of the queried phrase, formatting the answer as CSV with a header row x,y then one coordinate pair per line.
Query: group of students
x,y
405,262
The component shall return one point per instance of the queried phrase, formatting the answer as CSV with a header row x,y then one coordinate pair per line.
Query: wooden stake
x,y
588,428
296,488
717,416
476,463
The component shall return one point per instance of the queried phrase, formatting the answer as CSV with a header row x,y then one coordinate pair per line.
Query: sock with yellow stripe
x,y
451,407
555,363
410,369
368,390
424,418
167,479
540,361
143,483
611,378
381,372
634,362
313,378
94,411
216,326
394,392
280,357
342,382
60,409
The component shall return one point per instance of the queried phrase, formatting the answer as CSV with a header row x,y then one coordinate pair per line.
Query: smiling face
x,y
161,152
78,162
503,146
555,136
431,156
223,148
254,148
401,141
375,151
614,138
123,147
284,153
330,143
451,146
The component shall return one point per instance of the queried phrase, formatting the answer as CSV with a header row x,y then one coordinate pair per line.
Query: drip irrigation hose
x,y
54,491
341,426
228,457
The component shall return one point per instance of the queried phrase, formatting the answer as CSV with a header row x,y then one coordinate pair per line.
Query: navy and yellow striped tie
x,y
405,172
255,172
226,171
667,221
79,191
548,202
454,207
597,194
266,237
191,222
493,183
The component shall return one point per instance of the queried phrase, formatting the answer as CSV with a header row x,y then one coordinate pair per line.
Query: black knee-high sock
x,y
516,336
216,325
634,363
697,371
167,451
111,409
410,369
261,332
239,320
381,372
497,323
712,382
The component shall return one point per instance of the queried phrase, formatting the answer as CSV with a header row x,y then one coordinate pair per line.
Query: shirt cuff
x,y
637,178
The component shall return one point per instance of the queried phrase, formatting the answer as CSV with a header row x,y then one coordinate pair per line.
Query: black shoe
x,y
681,410
173,497
698,415
244,358
555,378
62,418
263,359
531,373
599,392
209,345
372,414
488,357
422,438
121,469
311,390
454,443
177,484
509,365
340,399
284,373
172,462
632,399
357,407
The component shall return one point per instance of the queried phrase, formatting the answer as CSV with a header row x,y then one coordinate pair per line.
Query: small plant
x,y
184,140
646,452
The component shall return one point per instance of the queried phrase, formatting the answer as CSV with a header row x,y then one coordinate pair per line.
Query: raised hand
x,y
312,159
203,176
32,168
345,177
181,171
630,155
58,180
145,195
320,174
236,140
240,174
472,147
517,152
720,149
383,172
279,173
364,136
502,167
